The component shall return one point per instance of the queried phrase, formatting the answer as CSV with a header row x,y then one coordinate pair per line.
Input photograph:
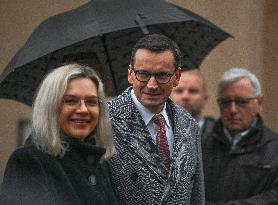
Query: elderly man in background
x,y
191,93
240,156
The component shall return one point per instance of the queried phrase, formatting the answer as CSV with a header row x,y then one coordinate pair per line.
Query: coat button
x,y
90,159
134,176
92,179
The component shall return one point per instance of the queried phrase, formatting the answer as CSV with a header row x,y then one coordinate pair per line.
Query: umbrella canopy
x,y
102,34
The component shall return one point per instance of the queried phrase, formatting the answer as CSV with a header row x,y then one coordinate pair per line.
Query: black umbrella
x,y
102,33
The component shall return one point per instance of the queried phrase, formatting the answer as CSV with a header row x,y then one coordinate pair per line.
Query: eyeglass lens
x,y
144,76
241,102
74,101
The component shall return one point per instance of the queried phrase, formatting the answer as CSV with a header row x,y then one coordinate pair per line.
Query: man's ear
x,y
129,74
260,102
206,99
177,77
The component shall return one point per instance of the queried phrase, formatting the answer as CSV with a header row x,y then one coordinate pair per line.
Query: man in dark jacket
x,y
191,93
240,156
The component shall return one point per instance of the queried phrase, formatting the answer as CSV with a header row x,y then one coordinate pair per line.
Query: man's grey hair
x,y
235,74
47,134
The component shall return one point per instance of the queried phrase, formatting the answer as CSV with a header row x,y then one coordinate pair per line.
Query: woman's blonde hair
x,y
45,125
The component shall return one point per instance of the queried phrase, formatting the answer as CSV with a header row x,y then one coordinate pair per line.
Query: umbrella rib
x,y
139,21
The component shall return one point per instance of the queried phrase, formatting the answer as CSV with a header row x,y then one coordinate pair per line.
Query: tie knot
x,y
159,119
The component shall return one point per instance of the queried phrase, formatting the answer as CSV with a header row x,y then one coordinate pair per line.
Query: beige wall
x,y
252,23
270,61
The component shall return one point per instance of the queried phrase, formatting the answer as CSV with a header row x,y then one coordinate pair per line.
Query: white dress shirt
x,y
147,116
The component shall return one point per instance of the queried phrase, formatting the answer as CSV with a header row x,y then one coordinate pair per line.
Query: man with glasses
x,y
240,156
158,158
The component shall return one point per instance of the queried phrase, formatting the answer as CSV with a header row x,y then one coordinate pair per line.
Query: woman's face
x,y
79,111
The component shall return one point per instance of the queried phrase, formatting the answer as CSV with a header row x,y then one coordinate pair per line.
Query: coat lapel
x,y
184,149
139,139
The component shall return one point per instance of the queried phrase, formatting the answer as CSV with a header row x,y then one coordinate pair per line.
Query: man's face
x,y
190,93
238,116
152,94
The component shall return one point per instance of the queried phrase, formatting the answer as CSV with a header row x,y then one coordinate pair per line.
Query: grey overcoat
x,y
140,176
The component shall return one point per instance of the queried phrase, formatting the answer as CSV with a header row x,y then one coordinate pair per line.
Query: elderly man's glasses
x,y
144,76
73,101
240,102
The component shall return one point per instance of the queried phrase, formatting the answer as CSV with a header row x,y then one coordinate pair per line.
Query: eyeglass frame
x,y
77,102
169,75
239,101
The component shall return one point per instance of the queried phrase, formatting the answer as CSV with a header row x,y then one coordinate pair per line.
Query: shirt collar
x,y
146,114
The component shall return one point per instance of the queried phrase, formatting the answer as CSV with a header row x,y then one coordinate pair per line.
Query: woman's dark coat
x,y
34,177
247,174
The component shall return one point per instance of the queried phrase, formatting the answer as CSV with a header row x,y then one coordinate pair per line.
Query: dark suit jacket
x,y
207,126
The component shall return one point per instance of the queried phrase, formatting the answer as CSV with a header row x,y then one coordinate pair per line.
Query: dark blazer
x,y
139,174
207,126
33,177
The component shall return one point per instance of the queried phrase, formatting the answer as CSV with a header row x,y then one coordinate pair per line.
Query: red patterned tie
x,y
161,139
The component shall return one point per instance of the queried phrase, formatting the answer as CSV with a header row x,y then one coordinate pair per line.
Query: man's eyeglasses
x,y
241,102
73,101
144,76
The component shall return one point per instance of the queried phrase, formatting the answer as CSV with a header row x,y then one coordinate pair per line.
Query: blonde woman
x,y
71,141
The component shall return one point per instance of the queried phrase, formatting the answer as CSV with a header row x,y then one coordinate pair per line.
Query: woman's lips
x,y
80,121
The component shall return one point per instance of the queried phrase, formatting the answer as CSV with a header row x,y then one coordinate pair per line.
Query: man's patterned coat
x,y
140,176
